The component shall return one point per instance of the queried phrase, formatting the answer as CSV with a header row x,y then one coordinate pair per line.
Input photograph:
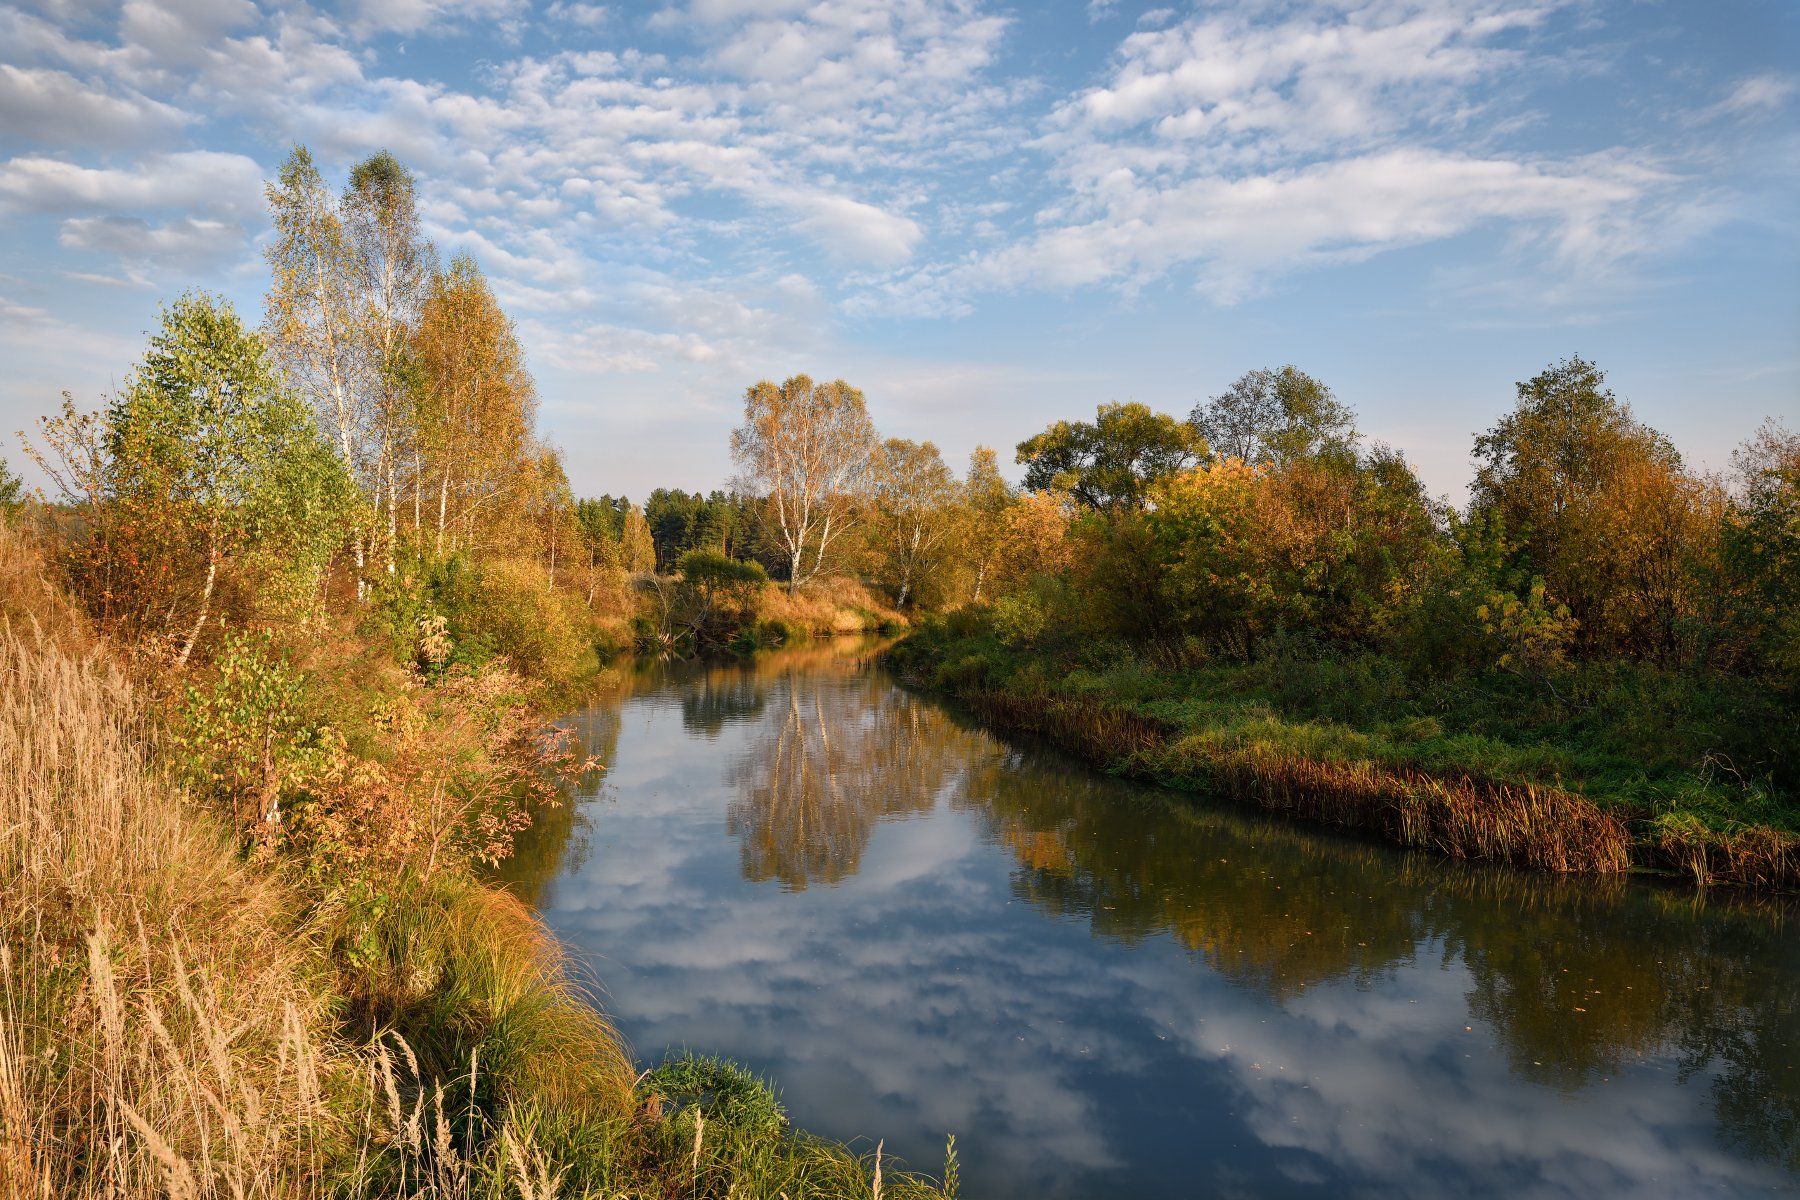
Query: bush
x,y
451,612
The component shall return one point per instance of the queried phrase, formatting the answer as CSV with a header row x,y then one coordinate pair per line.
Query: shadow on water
x,y
919,929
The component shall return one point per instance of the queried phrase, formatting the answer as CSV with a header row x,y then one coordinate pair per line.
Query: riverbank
x,y
219,982
1615,771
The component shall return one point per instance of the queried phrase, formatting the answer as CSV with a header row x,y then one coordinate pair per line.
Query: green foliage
x,y
722,1091
1109,464
679,522
242,735
1639,739
1018,620
439,613
717,596
1762,550
216,468
1277,416
12,489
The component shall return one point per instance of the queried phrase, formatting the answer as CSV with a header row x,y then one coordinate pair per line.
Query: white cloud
x,y
857,231
1763,93
184,241
1333,211
590,16
202,180
178,32
51,107
369,17
1239,148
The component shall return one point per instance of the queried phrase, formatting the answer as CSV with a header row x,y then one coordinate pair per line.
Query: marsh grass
x,y
1343,744
1462,817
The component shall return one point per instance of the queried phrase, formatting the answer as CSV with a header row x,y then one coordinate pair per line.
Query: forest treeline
x,y
280,650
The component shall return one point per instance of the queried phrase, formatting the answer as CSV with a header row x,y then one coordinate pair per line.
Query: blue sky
x,y
987,217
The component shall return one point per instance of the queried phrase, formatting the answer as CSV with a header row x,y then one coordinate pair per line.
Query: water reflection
x,y
1100,990
814,784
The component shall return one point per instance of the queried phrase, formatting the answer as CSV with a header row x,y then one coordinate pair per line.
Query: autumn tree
x,y
1109,464
218,472
1601,507
311,317
985,501
1276,416
916,513
637,548
1762,548
477,404
805,450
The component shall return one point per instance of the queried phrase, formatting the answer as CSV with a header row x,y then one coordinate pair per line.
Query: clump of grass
x,y
1462,817
1754,856
1097,732
1490,766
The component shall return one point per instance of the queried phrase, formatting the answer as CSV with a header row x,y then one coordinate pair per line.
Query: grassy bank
x,y
186,1011
1602,771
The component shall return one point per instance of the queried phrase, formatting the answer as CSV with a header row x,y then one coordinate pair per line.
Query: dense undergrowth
x,y
262,966
1610,765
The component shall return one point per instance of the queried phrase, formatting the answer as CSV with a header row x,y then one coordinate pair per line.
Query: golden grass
x,y
152,1003
832,605
1755,857
165,1023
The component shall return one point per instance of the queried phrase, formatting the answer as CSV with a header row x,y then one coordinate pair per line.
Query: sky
x,y
987,217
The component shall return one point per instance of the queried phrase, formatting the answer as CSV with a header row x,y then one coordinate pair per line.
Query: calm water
x,y
916,929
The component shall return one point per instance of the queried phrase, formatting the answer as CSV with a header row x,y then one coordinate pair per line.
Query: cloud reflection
x,y
1103,992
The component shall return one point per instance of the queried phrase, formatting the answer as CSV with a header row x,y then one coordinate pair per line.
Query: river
x,y
916,929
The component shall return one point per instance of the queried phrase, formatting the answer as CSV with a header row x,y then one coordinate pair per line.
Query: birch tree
x,y
391,265
311,318
985,500
216,471
916,508
805,449
477,405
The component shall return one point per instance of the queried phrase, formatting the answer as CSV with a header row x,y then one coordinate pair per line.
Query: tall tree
x,y
805,448
1276,416
637,547
985,500
217,469
1110,464
916,507
391,264
311,318
1600,504
477,406
1762,548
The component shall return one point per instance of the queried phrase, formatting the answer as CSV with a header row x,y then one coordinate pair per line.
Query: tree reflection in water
x,y
1576,976
1577,979
818,779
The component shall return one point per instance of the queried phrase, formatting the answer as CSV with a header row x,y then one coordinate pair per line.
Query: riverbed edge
x,y
1459,815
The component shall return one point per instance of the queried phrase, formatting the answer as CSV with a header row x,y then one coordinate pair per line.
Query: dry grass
x,y
825,606
1756,857
163,1027
1546,828
179,1021
153,1005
